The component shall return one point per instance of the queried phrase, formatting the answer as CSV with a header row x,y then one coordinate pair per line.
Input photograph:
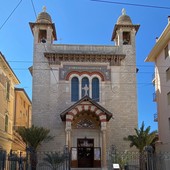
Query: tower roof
x,y
44,17
124,20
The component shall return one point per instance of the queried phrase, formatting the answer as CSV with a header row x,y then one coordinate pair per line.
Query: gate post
x,y
67,157
149,157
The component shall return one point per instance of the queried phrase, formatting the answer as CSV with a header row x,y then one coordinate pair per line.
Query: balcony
x,y
155,117
154,97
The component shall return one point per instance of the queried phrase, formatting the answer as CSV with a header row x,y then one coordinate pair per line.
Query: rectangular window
x,y
7,90
166,50
168,96
168,74
6,123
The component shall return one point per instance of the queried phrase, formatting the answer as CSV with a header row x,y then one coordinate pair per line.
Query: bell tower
x,y
124,31
43,29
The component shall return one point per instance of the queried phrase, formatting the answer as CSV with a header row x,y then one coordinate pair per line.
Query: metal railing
x,y
41,160
156,117
147,160
154,96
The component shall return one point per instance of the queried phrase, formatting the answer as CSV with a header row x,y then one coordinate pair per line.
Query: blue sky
x,y
84,22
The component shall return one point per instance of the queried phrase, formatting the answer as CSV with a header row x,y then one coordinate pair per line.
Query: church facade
x,y
85,94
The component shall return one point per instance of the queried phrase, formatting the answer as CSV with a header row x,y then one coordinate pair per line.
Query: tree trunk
x,y
33,160
142,161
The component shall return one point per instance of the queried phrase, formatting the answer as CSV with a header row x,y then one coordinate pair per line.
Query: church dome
x,y
124,19
44,17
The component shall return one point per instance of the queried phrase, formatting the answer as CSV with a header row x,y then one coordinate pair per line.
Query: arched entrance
x,y
86,137
85,129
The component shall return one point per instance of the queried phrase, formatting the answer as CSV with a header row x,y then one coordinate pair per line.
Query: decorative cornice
x,y
160,45
6,67
57,58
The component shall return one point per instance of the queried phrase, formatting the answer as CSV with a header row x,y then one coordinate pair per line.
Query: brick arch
x,y
91,108
85,72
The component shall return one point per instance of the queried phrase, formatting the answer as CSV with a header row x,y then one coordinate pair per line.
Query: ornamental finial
x,y
123,11
44,8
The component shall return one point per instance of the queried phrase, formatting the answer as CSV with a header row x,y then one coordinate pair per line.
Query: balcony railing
x,y
154,97
155,117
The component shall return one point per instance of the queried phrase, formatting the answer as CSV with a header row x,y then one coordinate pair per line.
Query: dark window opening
x,y
42,36
126,38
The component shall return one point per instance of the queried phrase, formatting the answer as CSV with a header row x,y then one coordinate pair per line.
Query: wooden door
x,y
85,152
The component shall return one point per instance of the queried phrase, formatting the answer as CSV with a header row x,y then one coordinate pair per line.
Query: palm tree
x,y
53,160
141,139
33,137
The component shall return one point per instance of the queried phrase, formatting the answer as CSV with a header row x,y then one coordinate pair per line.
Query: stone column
x,y
35,30
90,88
68,138
104,153
80,89
49,35
68,132
133,37
120,37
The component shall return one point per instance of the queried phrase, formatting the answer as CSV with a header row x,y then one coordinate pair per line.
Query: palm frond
x,y
142,137
34,136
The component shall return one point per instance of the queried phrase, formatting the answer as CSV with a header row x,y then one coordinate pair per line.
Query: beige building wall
x,y
160,55
22,117
7,82
23,109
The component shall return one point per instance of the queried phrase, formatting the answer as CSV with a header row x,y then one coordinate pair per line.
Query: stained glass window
x,y
95,89
74,89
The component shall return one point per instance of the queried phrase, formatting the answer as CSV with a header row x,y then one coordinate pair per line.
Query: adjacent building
x,y
8,80
160,55
15,110
85,94
22,117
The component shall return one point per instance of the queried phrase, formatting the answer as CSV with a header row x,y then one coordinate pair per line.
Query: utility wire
x,y
33,6
130,4
22,61
10,14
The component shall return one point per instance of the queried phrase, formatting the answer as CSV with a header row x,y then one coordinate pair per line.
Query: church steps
x,y
85,168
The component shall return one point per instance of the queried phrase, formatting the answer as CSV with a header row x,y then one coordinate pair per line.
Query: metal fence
x,y
147,160
44,161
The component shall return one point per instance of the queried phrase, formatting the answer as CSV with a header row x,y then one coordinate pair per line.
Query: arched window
x,y
6,123
74,89
95,89
85,87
